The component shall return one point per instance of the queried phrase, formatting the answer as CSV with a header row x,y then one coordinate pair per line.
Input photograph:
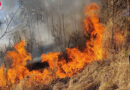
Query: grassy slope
x,y
103,75
110,74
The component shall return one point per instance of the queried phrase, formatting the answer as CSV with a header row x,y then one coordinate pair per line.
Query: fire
x,y
19,57
61,65
2,77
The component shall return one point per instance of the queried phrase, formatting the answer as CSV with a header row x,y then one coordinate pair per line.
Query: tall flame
x,y
60,65
19,57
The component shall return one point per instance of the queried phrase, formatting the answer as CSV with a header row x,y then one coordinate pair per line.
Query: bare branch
x,y
6,30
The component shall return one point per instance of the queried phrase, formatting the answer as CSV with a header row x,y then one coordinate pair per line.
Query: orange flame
x,y
60,66
2,77
78,59
19,57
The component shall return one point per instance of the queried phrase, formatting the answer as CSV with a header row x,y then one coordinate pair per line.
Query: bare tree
x,y
8,24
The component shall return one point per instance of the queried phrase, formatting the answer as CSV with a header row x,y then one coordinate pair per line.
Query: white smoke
x,y
71,9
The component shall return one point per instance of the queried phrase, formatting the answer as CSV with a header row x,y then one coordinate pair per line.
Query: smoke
x,y
71,10
9,5
54,6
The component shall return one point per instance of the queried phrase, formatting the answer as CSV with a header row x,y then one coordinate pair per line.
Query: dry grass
x,y
110,74
113,73
102,75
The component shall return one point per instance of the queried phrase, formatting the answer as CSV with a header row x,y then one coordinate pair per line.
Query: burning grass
x,y
57,70
59,66
108,74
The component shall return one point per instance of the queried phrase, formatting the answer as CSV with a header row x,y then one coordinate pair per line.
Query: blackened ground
x,y
37,65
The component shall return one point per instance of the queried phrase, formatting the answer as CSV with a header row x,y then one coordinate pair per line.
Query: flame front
x,y
59,65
